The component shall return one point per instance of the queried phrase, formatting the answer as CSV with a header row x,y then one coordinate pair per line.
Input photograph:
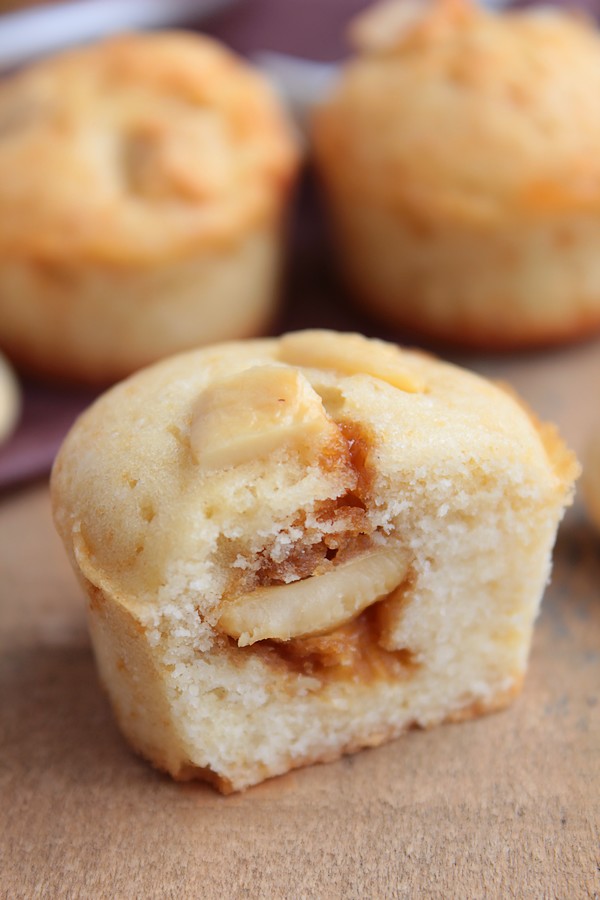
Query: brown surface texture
x,y
504,806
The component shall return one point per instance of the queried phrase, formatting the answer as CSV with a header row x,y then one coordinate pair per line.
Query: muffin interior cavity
x,y
316,575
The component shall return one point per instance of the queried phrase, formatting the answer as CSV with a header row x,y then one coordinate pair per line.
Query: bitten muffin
x,y
460,156
296,548
143,182
9,400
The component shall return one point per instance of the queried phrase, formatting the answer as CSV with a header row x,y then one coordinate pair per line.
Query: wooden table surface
x,y
506,806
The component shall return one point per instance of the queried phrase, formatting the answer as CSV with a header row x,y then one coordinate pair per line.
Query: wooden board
x,y
506,806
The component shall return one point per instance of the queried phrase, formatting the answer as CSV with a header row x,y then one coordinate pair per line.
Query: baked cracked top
x,y
141,147
455,112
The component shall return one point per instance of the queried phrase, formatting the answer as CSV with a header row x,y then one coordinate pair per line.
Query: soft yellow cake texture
x,y
143,183
460,155
294,548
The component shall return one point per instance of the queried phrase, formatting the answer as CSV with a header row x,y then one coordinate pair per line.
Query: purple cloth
x,y
313,29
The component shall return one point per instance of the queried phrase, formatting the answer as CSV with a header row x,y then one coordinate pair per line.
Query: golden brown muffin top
x,y
454,111
225,449
141,147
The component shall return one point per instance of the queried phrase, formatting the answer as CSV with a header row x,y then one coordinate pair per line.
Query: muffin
x,y
294,548
9,401
143,182
460,157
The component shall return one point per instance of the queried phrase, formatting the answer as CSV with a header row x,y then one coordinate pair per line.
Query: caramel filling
x,y
350,652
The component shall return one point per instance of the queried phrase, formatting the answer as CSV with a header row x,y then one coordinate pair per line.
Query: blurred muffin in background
x,y
9,401
143,183
460,154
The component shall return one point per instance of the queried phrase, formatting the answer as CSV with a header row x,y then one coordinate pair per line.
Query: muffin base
x,y
478,708
354,713
97,323
500,288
